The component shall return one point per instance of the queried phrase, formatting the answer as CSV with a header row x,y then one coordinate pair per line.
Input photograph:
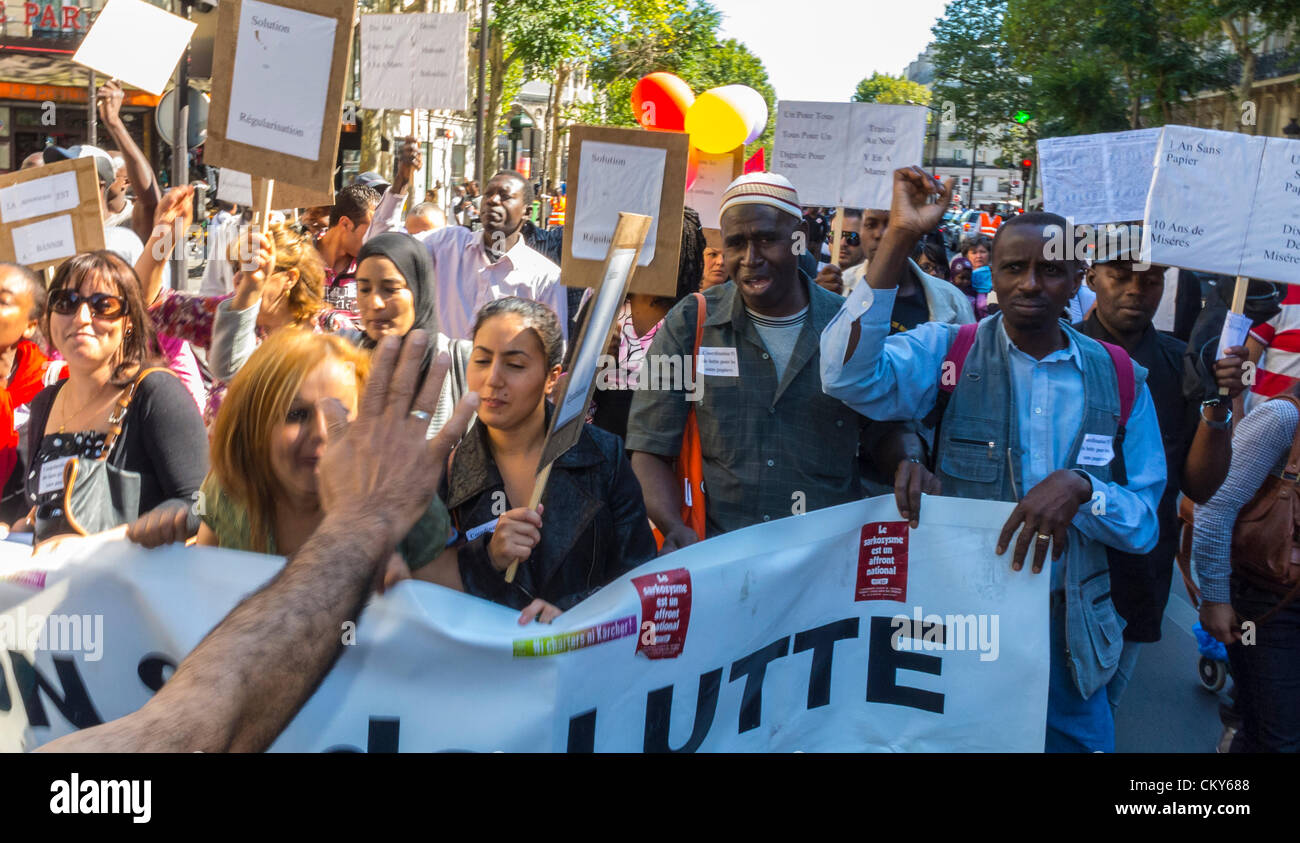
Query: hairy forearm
x,y
245,681
663,501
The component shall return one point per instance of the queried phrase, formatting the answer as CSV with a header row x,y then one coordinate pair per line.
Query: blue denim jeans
x,y
1074,724
1267,673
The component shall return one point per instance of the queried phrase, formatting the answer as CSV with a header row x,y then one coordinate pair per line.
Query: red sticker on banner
x,y
665,612
882,562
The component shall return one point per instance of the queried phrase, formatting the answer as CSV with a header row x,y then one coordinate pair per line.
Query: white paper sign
x,y
137,43
1272,249
47,240
39,197
235,187
616,177
1235,329
1095,179
603,311
414,61
844,154
1202,198
705,196
282,75
718,361
1096,450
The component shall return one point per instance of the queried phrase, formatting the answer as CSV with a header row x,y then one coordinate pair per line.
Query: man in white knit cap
x,y
773,443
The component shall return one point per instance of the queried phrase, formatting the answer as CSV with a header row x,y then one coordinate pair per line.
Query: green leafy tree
x,y
1245,24
895,90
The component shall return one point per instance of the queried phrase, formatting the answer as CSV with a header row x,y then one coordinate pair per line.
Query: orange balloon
x,y
692,167
660,101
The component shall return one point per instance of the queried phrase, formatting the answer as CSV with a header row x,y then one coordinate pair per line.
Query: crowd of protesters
x,y
836,393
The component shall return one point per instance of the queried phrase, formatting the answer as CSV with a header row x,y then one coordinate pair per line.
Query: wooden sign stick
x,y
566,429
1238,306
268,189
837,231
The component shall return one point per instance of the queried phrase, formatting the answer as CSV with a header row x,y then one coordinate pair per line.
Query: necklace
x,y
68,418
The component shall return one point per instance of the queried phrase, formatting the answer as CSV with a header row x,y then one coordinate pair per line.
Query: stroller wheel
x,y
1213,674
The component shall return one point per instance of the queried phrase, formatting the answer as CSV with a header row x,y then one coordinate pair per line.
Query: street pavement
x,y
1166,709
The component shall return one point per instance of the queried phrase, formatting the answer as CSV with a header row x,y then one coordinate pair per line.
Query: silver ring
x,y
421,415
1043,537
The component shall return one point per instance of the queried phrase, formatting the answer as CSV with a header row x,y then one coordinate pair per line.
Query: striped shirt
x,y
1260,445
1279,366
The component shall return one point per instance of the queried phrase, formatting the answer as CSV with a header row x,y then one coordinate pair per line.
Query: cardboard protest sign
x,y
234,186
1227,203
277,93
613,171
115,44
630,234
843,154
48,214
1095,179
716,173
415,61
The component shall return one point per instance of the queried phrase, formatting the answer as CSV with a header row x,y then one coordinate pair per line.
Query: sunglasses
x,y
852,238
67,302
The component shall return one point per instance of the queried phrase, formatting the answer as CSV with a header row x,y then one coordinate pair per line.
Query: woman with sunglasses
x,y
279,285
96,320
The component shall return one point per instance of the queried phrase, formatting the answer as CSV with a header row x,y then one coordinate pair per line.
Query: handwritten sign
x,y
1227,203
843,154
39,198
414,61
277,93
114,45
715,175
619,178
613,171
48,214
1095,179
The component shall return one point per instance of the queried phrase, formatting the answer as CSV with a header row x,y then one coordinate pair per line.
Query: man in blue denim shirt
x,y
1033,391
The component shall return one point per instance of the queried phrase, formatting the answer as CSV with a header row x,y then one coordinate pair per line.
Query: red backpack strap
x,y
957,353
1127,384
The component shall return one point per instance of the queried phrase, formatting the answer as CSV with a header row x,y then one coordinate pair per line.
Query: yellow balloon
x,y
714,123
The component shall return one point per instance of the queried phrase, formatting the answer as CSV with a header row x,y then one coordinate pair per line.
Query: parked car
x,y
963,226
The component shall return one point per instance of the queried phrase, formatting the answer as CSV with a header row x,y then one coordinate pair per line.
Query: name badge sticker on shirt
x,y
1096,450
51,479
715,360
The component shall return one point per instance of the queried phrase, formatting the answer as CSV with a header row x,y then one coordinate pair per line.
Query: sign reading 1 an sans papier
x,y
843,154
1226,203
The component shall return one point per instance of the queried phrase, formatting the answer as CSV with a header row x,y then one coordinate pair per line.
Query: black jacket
x,y
594,525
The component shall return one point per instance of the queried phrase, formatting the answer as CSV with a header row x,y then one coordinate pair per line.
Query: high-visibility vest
x,y
557,211
989,225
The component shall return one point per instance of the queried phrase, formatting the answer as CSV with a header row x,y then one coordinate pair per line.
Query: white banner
x,y
838,630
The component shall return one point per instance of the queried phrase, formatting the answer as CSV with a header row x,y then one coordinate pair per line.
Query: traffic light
x,y
1022,117
1027,163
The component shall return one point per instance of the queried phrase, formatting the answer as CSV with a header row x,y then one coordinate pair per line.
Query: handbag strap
x,y
119,412
701,314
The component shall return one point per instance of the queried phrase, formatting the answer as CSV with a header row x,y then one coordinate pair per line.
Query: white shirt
x,y
218,274
466,280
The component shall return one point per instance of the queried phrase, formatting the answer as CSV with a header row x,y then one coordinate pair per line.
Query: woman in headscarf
x,y
395,295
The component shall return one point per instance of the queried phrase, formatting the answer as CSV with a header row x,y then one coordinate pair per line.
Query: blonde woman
x,y
262,493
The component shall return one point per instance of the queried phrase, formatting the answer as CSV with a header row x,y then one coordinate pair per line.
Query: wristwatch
x,y
1211,423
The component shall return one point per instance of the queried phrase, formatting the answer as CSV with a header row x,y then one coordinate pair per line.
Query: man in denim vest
x,y
1033,418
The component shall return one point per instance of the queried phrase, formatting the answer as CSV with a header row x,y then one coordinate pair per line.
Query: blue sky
x,y
819,49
